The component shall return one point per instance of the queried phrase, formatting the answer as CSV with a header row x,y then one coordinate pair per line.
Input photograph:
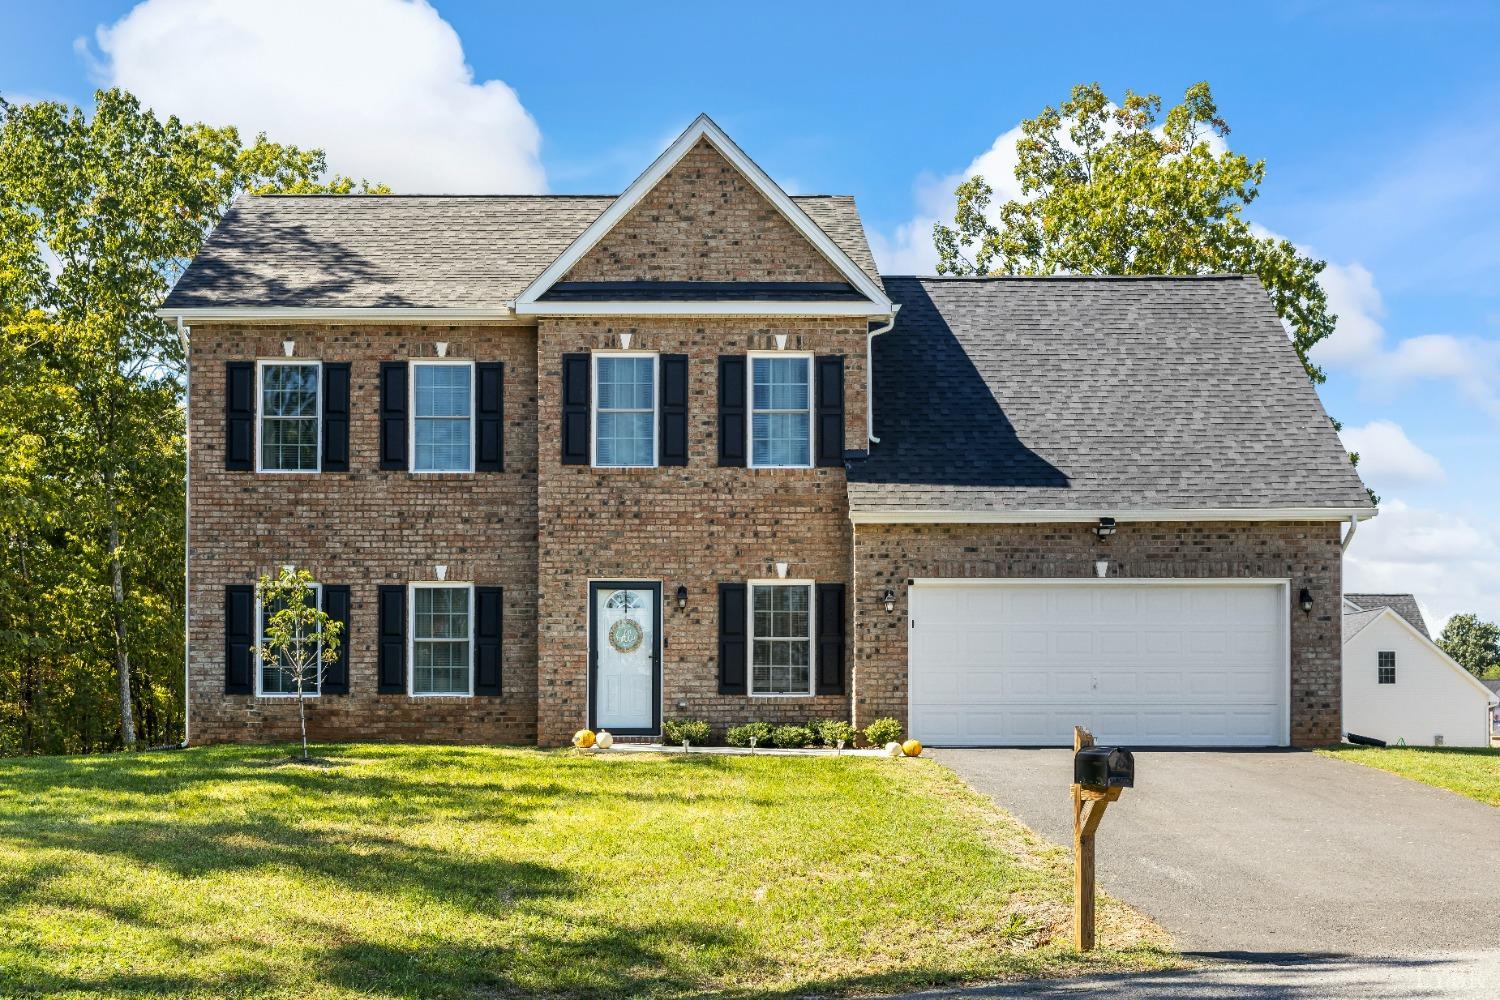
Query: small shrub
x,y
883,731
674,731
833,730
792,737
739,736
815,727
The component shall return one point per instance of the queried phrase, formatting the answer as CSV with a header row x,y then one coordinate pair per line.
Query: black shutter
x,y
336,416
576,393
239,639
490,426
733,644
239,415
489,621
831,410
674,409
830,638
393,414
391,657
336,606
732,410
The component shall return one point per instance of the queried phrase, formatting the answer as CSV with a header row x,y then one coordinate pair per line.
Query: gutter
x,y
187,513
870,373
1353,527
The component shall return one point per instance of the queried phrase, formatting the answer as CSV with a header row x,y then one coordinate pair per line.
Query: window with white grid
x,y
289,416
780,411
442,641
442,416
781,638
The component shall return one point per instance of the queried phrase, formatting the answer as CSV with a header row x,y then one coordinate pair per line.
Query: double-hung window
x,y
278,678
442,639
442,427
780,410
1385,667
781,624
625,410
289,407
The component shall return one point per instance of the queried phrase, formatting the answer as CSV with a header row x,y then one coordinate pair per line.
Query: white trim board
x,y
702,127
502,315
1120,516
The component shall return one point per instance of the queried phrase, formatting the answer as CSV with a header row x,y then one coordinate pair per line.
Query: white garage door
x,y
1164,663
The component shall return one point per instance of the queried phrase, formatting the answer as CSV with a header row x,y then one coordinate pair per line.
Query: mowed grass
x,y
494,872
1471,771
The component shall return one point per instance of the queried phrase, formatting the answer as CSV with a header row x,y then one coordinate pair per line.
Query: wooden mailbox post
x,y
1088,809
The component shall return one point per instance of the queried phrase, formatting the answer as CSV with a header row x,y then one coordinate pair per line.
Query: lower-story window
x,y
279,677
781,638
442,639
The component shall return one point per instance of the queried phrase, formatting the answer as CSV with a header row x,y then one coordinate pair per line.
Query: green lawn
x,y
491,872
1468,771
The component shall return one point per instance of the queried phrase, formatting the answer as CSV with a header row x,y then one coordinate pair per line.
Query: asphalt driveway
x,y
1258,855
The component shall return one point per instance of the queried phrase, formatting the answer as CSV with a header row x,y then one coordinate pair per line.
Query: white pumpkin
x,y
603,740
893,749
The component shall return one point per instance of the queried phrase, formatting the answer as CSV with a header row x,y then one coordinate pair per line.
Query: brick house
x,y
569,460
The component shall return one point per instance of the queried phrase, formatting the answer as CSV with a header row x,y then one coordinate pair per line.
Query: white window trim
x,y
411,639
260,640
411,408
812,637
594,406
812,415
260,367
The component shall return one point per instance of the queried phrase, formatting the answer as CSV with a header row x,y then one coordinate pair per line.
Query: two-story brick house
x,y
564,460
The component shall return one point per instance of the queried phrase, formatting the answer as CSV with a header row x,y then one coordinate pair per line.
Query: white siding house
x,y
1399,685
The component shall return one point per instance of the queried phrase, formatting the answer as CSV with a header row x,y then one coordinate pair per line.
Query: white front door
x,y
1149,662
624,645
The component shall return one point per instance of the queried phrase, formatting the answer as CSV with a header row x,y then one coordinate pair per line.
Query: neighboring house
x,y
1494,688
564,461
1399,685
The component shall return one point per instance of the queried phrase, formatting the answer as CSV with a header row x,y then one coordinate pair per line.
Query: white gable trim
x,y
702,128
1434,647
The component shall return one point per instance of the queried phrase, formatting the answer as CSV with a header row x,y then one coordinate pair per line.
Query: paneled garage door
x,y
1186,663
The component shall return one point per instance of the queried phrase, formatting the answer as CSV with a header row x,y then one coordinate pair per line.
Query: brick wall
x,y
703,222
363,528
697,525
1306,553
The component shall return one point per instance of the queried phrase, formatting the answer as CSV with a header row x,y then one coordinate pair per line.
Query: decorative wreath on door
x,y
625,635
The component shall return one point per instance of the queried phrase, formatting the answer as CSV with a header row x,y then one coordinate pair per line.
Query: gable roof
x,y
1404,605
1388,614
1070,398
461,254
703,129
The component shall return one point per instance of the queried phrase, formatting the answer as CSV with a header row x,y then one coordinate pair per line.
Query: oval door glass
x,y
625,640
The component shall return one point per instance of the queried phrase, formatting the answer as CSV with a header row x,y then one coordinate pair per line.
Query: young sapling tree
x,y
298,637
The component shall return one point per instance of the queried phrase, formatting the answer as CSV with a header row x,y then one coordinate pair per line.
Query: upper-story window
x,y
289,407
442,427
780,410
625,409
1385,667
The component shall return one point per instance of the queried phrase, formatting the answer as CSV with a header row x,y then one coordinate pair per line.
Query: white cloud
x,y
1451,564
1388,457
1353,297
380,84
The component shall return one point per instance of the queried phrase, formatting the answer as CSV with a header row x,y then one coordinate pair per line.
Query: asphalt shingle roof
x,y
1355,621
1404,605
413,251
1094,394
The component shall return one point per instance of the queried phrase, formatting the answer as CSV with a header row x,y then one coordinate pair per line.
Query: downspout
x,y
187,513
1353,527
870,374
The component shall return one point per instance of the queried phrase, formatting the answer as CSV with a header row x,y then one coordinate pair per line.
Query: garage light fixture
x,y
1106,527
681,597
889,600
1305,602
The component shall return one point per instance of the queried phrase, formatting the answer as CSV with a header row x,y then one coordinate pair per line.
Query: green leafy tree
x,y
298,637
99,213
1120,189
1473,642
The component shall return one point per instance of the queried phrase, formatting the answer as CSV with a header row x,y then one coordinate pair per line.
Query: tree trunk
x,y
122,651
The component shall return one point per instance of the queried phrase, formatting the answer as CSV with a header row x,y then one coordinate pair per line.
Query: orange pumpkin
x,y
583,739
912,748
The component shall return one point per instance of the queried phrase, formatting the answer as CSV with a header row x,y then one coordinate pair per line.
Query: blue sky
x,y
1378,122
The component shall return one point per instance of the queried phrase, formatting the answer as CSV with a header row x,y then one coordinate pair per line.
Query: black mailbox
x,y
1104,767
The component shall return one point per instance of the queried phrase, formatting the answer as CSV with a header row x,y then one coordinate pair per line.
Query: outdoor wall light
x,y
681,597
889,599
1304,601
1106,527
